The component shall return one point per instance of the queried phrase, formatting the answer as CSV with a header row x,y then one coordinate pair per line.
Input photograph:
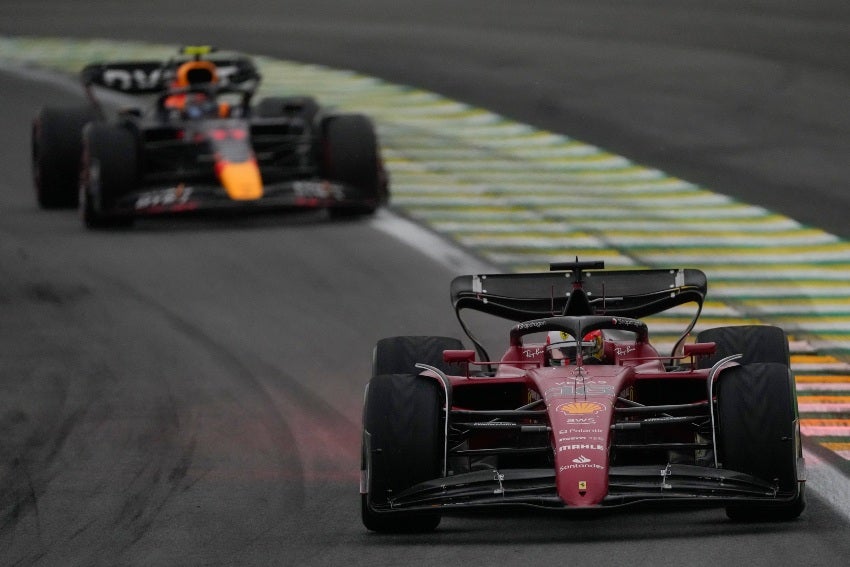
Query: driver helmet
x,y
197,104
562,347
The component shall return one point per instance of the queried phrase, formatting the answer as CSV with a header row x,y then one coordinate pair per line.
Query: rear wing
x,y
578,289
150,77
622,293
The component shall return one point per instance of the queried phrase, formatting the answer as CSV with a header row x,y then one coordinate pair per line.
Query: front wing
x,y
207,197
629,485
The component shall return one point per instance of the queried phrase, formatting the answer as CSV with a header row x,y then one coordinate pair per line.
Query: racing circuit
x,y
170,386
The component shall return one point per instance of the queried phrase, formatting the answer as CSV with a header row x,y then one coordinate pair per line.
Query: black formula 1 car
x,y
201,145
581,412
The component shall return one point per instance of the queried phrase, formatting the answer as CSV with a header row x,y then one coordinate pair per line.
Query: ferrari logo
x,y
582,485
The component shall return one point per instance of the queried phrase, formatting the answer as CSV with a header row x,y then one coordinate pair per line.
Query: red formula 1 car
x,y
201,145
581,412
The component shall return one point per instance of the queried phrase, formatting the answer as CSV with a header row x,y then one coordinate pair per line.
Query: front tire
x,y
349,155
758,435
402,446
56,148
110,166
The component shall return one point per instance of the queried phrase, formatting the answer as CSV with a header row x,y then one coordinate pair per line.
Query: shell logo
x,y
580,408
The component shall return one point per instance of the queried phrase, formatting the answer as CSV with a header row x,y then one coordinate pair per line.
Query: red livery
x,y
581,411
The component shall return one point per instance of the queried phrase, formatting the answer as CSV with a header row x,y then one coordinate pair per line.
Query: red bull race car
x,y
201,145
581,412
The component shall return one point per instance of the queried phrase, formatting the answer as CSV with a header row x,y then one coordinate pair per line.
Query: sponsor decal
x,y
164,198
564,440
579,421
587,389
317,190
581,431
580,408
488,424
128,79
139,76
532,353
627,323
224,73
581,447
624,350
531,325
564,468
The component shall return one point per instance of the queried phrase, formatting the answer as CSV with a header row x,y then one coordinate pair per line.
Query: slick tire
x,y
303,107
110,169
399,355
349,155
757,343
402,446
757,435
56,152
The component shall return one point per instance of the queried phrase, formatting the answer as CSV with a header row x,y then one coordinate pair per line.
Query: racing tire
x,y
399,355
304,107
757,434
349,155
110,166
757,343
56,153
402,446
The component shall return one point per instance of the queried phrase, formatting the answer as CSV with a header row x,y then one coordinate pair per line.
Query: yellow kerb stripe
x,y
812,359
825,422
813,379
823,399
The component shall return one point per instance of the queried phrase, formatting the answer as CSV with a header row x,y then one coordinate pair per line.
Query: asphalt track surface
x,y
189,393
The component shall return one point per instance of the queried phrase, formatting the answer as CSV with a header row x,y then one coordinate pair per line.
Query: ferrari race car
x,y
201,145
581,412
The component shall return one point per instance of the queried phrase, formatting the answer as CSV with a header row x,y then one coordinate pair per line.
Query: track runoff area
x,y
520,198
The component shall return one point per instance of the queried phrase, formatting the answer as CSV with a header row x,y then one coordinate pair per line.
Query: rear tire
x,y
757,434
109,171
757,343
399,355
56,153
349,155
402,446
